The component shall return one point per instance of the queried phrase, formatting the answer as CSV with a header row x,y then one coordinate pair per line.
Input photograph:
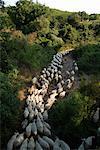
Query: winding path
x,y
55,81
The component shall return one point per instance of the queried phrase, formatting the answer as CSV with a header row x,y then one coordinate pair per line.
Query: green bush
x,y
36,56
9,109
70,118
88,58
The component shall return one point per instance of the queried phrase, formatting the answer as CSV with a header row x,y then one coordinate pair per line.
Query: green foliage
x,y
88,58
36,56
70,118
5,21
9,108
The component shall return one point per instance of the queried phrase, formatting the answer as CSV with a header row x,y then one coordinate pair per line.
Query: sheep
x,y
54,67
62,82
59,85
56,77
34,80
47,125
72,78
68,81
31,144
24,123
48,140
88,141
52,75
75,64
49,79
40,98
43,71
55,64
24,144
45,115
69,85
26,112
96,116
56,145
29,108
48,73
49,103
40,116
34,128
18,141
31,115
39,125
62,94
44,75
42,108
68,73
63,145
60,90
46,131
28,130
35,111
11,141
60,77
55,60
31,90
82,146
43,143
36,91
61,66
72,72
52,70
59,72
76,68
38,146
52,96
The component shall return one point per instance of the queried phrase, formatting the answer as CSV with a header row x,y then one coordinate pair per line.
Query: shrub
x,y
88,58
70,118
9,108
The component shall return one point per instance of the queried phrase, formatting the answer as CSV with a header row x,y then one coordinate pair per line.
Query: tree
x,y
2,4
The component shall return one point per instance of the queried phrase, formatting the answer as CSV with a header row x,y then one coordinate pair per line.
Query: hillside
x,y
30,35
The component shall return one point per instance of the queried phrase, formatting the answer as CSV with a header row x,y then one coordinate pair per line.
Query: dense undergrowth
x,y
30,34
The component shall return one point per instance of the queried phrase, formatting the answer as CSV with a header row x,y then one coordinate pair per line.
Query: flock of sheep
x,y
37,133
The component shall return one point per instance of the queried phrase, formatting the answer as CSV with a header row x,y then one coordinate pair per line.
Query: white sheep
x,y
31,144
48,140
24,144
62,94
72,72
28,129
64,145
72,78
26,112
45,115
34,128
60,90
96,116
47,125
43,143
34,80
46,131
38,146
11,141
39,125
18,141
24,123
68,72
69,85
76,68
31,115
44,75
